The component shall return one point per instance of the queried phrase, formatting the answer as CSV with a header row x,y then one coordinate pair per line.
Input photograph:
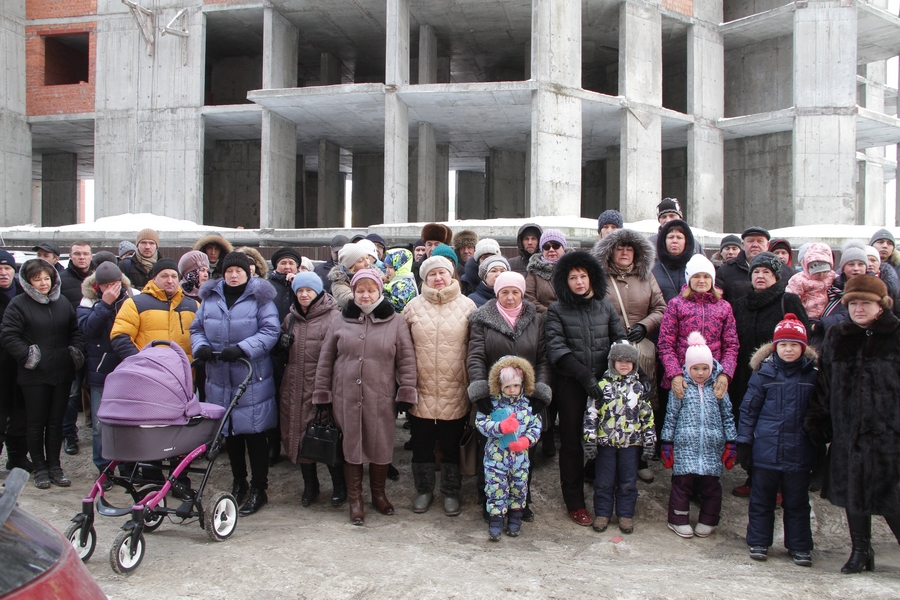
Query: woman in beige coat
x,y
439,323
366,371
312,311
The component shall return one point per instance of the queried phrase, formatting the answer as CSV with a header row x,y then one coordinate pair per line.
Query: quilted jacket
x,y
152,316
439,323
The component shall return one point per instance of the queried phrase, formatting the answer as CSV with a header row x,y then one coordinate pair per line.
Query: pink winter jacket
x,y
714,319
813,292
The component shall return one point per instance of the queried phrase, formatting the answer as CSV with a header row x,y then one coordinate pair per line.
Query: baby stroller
x,y
149,412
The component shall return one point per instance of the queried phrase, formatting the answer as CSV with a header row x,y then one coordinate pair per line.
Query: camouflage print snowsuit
x,y
505,471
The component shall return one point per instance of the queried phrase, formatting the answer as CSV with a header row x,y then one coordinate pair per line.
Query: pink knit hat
x,y
367,274
698,352
509,279
510,375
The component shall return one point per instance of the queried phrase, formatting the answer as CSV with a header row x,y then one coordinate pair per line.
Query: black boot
x,y
310,484
392,473
339,486
255,501
239,490
862,556
17,453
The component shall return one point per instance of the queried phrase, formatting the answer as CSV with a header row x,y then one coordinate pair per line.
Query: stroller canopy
x,y
153,387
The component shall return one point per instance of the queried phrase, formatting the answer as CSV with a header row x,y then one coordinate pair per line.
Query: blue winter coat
x,y
96,319
773,410
699,425
252,324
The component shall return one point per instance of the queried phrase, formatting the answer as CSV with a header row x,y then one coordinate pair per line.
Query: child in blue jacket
x,y
773,442
511,428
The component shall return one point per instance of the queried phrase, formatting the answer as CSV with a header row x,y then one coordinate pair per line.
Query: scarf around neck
x,y
368,308
511,315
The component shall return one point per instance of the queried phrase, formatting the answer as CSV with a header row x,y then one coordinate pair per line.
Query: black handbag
x,y
323,441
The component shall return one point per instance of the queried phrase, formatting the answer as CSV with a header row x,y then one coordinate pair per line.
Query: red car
x,y
38,562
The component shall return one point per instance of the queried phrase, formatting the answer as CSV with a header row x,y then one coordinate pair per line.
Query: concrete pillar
x,y
442,182
304,210
59,189
330,72
281,40
706,142
872,184
640,81
412,164
824,135
428,60
368,185
426,150
278,171
330,192
506,179
397,51
470,195
593,189
555,160
613,180
396,116
15,134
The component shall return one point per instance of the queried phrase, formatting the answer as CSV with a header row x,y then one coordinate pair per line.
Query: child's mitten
x,y
590,449
745,456
729,455
667,454
647,454
509,425
520,445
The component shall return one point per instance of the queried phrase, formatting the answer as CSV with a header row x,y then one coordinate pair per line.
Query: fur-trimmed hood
x,y
90,292
213,238
512,361
586,261
260,288
542,269
644,253
768,349
669,261
31,291
262,266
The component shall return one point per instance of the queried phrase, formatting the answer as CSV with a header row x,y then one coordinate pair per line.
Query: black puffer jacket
x,y
581,328
70,284
520,263
284,295
669,270
48,322
491,338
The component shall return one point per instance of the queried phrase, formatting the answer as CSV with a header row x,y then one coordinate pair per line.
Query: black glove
x,y
204,353
232,353
537,405
818,438
637,333
404,407
745,456
484,406
593,389
77,357
814,325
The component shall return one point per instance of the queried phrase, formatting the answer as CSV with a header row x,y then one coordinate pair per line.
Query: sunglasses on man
x,y
554,245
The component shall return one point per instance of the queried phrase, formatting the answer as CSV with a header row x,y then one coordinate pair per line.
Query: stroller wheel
x,y
120,558
153,520
221,517
73,534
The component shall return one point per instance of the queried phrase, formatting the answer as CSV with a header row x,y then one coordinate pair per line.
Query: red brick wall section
x,y
54,9
685,7
44,99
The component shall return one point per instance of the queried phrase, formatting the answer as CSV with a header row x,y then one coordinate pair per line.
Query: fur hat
x,y
464,238
486,246
553,235
790,329
867,287
623,350
213,238
126,247
489,263
147,234
434,262
236,259
582,260
100,258
437,232
511,375
610,217
768,261
286,252
669,205
307,280
697,353
447,252
730,240
370,274
107,272
192,260
262,267
509,279
882,234
700,264
494,386
349,254
161,265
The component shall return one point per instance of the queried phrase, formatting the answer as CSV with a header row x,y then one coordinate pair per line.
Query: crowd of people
x,y
634,350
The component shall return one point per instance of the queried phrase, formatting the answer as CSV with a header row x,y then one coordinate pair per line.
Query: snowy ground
x,y
286,551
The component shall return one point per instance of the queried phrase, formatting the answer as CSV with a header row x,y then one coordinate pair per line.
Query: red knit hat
x,y
790,329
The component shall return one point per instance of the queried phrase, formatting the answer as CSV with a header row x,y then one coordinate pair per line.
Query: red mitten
x,y
509,425
729,455
667,454
520,445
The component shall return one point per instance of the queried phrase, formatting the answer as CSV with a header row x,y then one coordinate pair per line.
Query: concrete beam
x,y
330,192
368,186
59,189
278,172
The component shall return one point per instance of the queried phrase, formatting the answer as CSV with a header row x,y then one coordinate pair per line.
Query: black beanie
x,y
285,252
236,259
163,264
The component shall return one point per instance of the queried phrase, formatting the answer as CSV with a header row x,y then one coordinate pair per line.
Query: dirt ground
x,y
286,551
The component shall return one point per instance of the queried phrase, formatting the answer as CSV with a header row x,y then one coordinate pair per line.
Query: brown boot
x,y
377,476
354,477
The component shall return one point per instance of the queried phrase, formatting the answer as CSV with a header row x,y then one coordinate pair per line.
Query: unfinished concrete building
x,y
254,112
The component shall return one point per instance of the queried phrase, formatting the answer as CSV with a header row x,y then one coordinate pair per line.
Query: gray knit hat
x,y
610,217
882,234
490,262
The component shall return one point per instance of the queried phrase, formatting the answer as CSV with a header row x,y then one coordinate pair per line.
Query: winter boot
x,y
451,482
339,486
377,477
353,475
255,501
239,490
17,454
41,479
310,484
862,556
495,527
392,473
58,478
423,476
514,523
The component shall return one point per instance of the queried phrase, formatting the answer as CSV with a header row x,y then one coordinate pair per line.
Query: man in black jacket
x,y
12,405
322,269
733,277
49,252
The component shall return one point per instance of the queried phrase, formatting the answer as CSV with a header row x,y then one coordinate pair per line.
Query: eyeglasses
x,y
554,245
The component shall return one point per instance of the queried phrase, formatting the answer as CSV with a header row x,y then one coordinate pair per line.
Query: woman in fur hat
x,y
855,408
215,247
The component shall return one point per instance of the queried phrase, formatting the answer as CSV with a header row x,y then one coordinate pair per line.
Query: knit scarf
x,y
368,308
620,273
510,315
146,262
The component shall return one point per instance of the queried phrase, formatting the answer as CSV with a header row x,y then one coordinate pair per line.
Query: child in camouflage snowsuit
x,y
618,430
510,429
401,288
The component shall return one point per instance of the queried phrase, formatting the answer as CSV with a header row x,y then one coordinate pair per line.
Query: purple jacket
x,y
712,318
